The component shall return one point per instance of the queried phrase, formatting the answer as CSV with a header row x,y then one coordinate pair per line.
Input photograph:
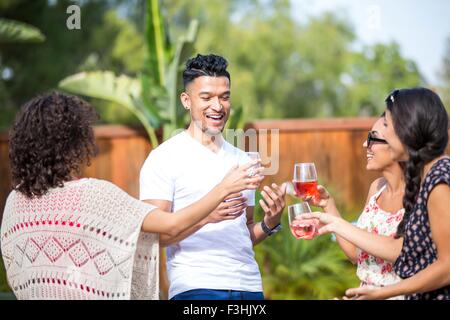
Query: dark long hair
x,y
421,123
50,140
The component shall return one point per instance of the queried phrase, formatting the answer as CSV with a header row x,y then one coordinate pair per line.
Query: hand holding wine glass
x,y
321,199
324,222
301,228
305,180
231,208
254,156
239,178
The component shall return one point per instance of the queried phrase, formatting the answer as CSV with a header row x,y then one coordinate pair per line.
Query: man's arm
x,y
272,204
256,232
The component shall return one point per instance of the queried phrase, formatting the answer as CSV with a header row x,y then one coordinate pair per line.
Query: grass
x,y
3,284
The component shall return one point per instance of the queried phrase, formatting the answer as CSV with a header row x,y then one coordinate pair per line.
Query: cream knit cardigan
x,y
80,241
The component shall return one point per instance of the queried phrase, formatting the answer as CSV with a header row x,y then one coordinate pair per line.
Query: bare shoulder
x,y
439,195
376,186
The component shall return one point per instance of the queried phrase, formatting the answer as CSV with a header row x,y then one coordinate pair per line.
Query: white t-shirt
x,y
219,255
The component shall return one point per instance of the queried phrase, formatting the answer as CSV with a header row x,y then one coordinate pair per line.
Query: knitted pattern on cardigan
x,y
80,241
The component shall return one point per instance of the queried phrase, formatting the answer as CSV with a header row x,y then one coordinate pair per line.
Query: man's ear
x,y
185,100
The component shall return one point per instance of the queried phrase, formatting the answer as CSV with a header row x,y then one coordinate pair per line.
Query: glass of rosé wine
x,y
301,229
305,180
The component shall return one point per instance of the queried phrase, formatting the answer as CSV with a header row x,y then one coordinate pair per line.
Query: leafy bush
x,y
3,284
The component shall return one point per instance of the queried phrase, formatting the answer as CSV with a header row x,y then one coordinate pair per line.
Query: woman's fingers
x,y
253,182
233,203
323,193
250,164
254,179
311,215
324,230
233,196
231,216
237,208
355,292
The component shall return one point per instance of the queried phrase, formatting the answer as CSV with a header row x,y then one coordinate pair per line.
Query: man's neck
x,y
212,142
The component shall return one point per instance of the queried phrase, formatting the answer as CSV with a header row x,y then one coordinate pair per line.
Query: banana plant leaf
x,y
122,90
13,31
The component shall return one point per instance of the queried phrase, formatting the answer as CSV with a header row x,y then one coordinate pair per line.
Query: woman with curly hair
x,y
68,238
416,130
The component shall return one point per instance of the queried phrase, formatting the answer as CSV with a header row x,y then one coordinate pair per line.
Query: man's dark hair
x,y
205,65
51,139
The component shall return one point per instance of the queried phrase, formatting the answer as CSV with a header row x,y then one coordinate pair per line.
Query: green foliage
x,y
35,68
14,31
3,283
105,85
372,74
117,45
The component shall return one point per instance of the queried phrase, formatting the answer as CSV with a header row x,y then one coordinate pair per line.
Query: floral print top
x,y
371,270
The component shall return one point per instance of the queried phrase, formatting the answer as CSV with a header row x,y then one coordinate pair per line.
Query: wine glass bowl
x,y
301,229
305,180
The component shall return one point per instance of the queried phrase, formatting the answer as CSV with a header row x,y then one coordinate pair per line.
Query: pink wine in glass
x,y
306,188
302,231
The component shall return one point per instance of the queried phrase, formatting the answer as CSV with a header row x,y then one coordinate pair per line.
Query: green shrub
x,y
3,284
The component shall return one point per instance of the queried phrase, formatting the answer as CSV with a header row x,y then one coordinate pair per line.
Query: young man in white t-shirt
x,y
215,258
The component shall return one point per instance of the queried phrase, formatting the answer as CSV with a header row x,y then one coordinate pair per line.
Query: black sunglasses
x,y
371,139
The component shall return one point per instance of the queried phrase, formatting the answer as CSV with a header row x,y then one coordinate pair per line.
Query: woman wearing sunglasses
x,y
416,130
382,213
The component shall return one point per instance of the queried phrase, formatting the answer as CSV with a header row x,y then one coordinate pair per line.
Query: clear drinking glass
x,y
301,229
305,180
254,156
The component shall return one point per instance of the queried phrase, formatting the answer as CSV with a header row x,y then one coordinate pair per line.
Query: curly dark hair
x,y
50,140
421,123
205,65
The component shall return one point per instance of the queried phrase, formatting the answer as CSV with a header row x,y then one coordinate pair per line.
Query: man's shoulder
x,y
173,143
